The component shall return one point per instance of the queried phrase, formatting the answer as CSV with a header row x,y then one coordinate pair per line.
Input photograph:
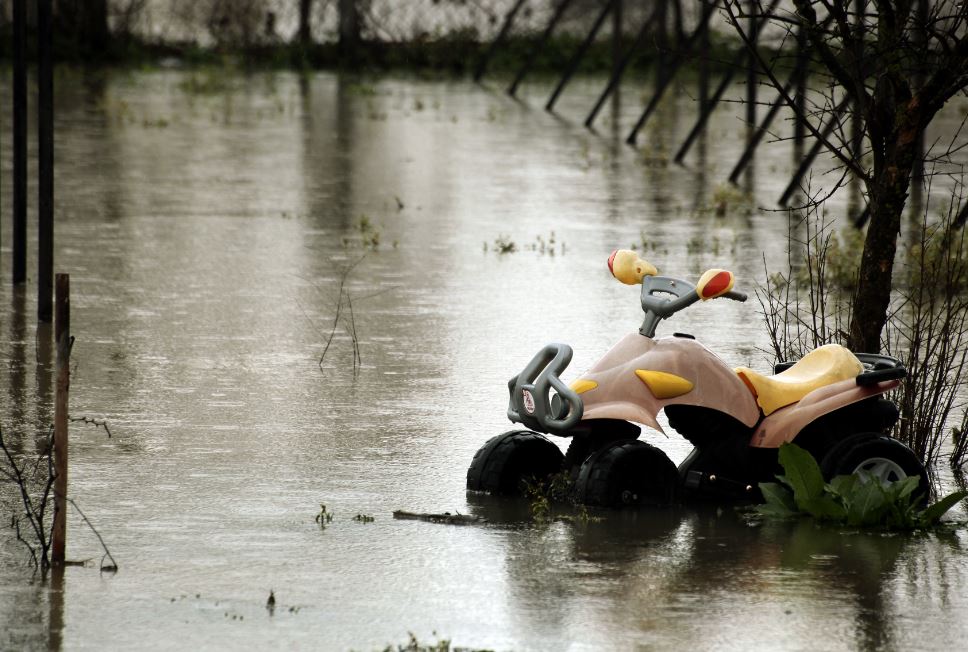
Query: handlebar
x,y
628,268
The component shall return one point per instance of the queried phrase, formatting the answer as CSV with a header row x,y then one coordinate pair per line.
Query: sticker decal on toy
x,y
528,401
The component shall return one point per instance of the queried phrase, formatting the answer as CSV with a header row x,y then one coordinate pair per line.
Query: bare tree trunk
x,y
877,264
895,151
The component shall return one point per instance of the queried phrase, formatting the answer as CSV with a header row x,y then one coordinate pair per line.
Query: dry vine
x,y
36,498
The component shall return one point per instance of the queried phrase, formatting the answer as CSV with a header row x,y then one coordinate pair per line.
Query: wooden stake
x,y
19,142
45,159
62,334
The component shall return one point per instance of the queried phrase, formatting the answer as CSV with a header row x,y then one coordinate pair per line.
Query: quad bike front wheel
x,y
502,464
627,473
875,457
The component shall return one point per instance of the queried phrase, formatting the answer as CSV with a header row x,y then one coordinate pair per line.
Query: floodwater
x,y
207,221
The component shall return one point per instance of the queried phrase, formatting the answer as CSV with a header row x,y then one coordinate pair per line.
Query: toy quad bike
x,y
830,402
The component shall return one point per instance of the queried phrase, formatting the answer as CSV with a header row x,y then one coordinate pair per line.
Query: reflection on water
x,y
206,230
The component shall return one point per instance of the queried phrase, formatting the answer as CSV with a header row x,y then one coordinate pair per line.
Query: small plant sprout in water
x,y
546,246
728,199
369,234
324,517
415,645
549,245
503,244
647,245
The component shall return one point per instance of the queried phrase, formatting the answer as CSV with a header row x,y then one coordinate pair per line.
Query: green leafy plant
x,y
852,500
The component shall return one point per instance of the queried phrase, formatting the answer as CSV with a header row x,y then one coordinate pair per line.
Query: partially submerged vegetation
x,y
504,244
34,480
440,645
854,500
554,499
810,303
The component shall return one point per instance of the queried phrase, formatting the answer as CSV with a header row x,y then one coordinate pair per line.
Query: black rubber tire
x,y
627,473
501,464
830,460
888,458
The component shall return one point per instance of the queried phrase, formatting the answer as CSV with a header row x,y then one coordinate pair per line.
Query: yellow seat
x,y
823,366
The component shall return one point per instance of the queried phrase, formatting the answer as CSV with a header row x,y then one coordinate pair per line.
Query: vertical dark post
x,y
740,59
620,70
498,40
670,70
305,26
617,21
807,161
751,67
45,160
19,141
661,43
533,53
704,63
55,617
62,335
759,132
579,54
94,27
707,109
349,30
800,99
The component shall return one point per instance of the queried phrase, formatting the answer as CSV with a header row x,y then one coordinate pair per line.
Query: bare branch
x,y
848,161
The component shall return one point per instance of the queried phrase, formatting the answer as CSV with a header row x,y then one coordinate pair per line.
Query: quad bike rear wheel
x,y
877,458
502,464
627,473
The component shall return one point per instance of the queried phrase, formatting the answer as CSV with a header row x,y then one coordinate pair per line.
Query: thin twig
x,y
100,423
113,566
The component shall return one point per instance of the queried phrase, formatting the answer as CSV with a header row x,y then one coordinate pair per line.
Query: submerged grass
x,y
557,491
440,645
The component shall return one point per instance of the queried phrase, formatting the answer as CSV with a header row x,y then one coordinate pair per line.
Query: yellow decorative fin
x,y
664,385
582,386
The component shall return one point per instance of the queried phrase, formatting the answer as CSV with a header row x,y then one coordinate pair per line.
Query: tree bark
x,y
873,295
888,191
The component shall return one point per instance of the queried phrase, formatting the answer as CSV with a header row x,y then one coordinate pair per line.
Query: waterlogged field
x,y
212,225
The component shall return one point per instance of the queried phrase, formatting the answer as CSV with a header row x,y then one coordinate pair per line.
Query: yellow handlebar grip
x,y
627,267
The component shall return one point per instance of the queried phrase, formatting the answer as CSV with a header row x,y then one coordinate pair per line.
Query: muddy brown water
x,y
206,222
